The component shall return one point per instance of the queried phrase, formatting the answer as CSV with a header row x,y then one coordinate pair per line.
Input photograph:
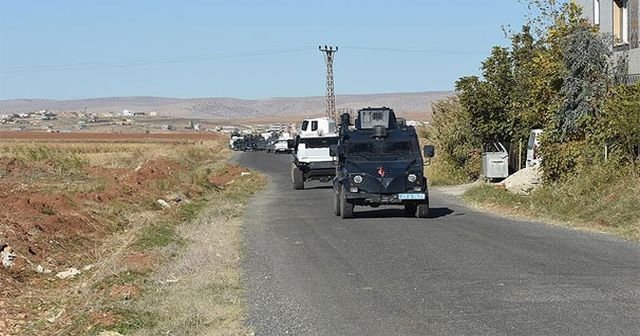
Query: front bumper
x,y
362,198
316,170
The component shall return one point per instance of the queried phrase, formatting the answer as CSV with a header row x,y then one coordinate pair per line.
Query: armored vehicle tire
x,y
423,211
297,178
410,210
346,208
336,203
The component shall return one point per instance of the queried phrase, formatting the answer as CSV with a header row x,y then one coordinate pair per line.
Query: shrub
x,y
457,149
620,124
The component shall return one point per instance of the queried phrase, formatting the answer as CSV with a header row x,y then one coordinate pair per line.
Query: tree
x,y
584,90
488,100
454,138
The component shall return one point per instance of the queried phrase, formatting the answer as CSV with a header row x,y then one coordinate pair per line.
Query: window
x,y
314,125
596,12
305,124
364,148
620,21
398,147
319,142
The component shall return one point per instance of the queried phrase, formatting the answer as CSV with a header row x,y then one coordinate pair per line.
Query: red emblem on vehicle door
x,y
381,171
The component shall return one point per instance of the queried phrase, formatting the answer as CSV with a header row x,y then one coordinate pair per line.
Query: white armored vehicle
x,y
311,156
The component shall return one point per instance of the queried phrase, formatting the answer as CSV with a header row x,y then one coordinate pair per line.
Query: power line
x,y
416,51
141,62
219,56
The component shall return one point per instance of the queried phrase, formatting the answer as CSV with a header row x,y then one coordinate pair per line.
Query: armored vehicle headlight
x,y
357,179
412,178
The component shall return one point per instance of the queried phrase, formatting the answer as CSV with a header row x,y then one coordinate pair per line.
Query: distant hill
x,y
416,104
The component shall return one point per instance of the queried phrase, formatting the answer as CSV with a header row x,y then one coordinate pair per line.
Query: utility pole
x,y
329,52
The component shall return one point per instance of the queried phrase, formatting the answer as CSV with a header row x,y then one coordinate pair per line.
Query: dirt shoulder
x,y
86,225
199,291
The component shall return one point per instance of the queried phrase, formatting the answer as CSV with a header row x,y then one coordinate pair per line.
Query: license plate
x,y
412,196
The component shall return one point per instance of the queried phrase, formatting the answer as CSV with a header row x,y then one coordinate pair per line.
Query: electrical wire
x,y
140,62
219,56
415,51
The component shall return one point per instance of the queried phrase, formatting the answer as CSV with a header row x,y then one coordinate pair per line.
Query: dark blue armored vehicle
x,y
379,163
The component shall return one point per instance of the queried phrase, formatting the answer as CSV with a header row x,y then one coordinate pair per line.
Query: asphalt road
x,y
461,272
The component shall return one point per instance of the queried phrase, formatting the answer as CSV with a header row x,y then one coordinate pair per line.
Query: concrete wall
x,y
606,26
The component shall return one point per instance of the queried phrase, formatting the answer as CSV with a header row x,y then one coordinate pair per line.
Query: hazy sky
x,y
241,48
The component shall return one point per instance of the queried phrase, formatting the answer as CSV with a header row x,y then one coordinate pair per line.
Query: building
x,y
621,19
277,128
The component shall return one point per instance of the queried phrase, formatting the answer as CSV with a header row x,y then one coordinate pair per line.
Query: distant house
x,y
127,113
621,19
153,114
277,128
230,129
139,114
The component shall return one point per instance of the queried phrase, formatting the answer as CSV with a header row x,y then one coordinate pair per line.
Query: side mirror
x,y
429,151
333,150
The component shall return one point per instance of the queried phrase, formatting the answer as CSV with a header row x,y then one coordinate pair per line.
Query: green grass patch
x,y
189,211
600,198
122,278
441,173
157,235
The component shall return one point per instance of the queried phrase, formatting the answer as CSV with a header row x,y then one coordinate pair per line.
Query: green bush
x,y
619,125
457,149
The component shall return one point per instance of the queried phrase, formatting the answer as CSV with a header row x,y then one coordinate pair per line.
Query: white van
x,y
533,148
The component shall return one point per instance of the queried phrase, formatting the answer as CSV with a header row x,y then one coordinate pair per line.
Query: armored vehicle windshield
x,y
384,150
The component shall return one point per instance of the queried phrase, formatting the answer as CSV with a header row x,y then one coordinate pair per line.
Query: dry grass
x,y
142,237
200,291
600,199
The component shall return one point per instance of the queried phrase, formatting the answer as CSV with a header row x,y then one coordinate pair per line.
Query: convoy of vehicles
x,y
375,161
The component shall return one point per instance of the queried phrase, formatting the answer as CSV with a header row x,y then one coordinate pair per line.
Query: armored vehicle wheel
x,y
410,210
297,178
423,211
336,203
346,208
